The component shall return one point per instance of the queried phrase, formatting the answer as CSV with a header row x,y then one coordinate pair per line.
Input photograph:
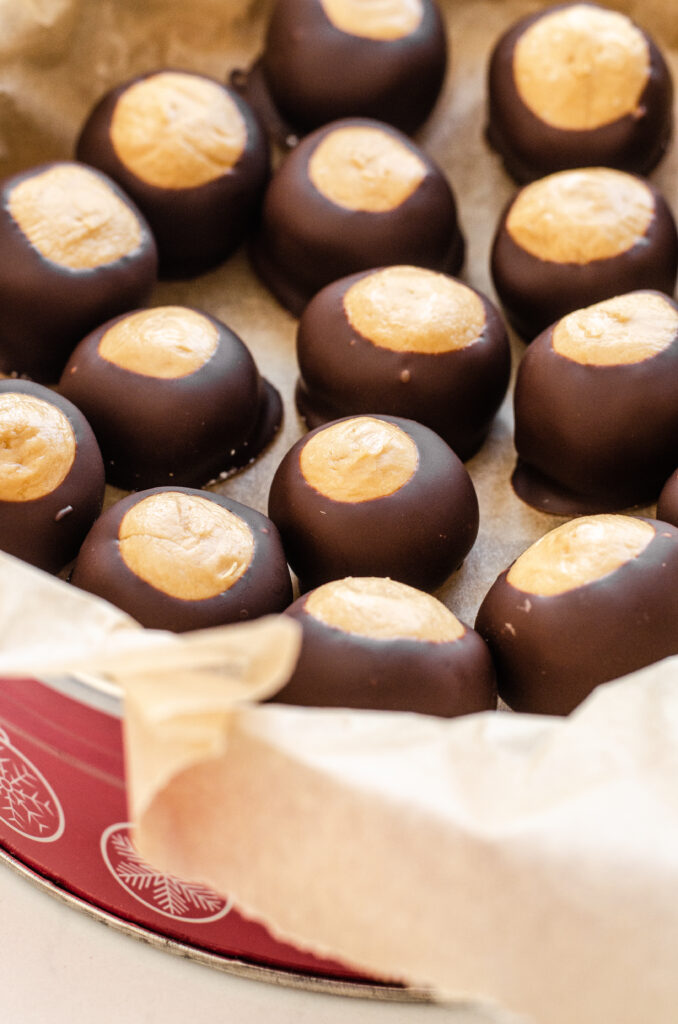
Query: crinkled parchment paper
x,y
529,861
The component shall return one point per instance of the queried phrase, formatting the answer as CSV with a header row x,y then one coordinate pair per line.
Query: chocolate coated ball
x,y
578,86
181,559
173,396
408,342
51,475
591,601
374,496
191,154
578,237
76,252
596,407
397,56
375,643
354,195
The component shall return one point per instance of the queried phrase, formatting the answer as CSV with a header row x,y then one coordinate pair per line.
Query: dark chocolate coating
x,y
48,531
455,393
594,438
306,241
340,669
47,308
418,535
535,293
183,430
253,88
195,228
531,148
667,505
265,588
317,73
551,652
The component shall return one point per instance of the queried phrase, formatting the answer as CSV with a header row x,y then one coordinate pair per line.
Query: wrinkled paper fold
x,y
527,860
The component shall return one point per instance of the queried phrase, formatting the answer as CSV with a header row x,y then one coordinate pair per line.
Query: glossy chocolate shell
x,y
47,531
550,652
264,588
305,241
183,430
456,393
419,534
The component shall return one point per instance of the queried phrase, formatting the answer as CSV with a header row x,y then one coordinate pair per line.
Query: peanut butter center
x,y
186,546
364,168
618,331
175,130
579,552
582,67
409,309
167,342
579,216
375,19
383,610
37,447
74,218
359,459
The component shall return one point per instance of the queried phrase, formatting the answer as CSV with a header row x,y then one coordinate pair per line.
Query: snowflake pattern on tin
x,y
166,894
28,804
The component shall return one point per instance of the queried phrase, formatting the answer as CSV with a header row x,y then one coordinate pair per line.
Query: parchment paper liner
x,y
531,861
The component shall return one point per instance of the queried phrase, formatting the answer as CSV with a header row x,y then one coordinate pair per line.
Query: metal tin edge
x,y
239,968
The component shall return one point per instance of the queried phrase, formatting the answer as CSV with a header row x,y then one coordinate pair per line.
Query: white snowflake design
x,y
28,804
166,894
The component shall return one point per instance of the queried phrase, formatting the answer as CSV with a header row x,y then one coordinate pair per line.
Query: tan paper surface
x,y
531,861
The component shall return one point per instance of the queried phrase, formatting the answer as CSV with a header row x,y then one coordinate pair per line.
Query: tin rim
x,y
228,965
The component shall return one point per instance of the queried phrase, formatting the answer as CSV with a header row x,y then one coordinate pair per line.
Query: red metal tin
x,y
63,817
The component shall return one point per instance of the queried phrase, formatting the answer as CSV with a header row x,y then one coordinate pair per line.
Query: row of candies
x,y
376,495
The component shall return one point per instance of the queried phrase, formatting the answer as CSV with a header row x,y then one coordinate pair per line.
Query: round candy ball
x,y
51,475
396,52
578,85
191,154
180,559
370,642
374,496
578,237
76,252
596,407
593,600
173,396
354,195
405,341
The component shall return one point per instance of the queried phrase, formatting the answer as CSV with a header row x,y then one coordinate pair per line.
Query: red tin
x,y
63,819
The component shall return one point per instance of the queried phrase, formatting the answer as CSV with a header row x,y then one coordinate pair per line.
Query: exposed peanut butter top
x,y
364,168
375,19
186,546
581,67
73,217
579,552
618,331
167,342
409,309
175,130
37,447
383,609
359,459
579,216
